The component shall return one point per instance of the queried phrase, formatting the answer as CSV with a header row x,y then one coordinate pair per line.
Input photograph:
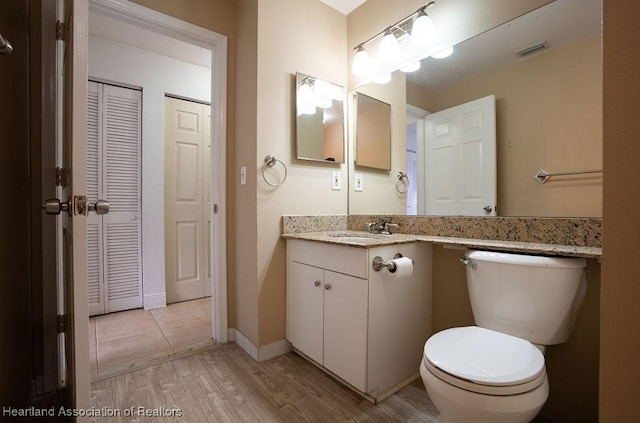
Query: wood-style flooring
x,y
226,385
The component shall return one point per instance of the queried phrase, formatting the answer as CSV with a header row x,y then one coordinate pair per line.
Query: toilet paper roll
x,y
403,268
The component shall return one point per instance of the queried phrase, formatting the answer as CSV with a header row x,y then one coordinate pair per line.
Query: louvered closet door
x,y
115,276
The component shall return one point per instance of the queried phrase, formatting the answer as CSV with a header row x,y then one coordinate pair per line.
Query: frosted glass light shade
x,y
411,67
361,64
423,31
383,79
389,48
443,53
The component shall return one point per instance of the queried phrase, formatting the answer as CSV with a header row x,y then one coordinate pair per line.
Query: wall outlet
x,y
358,182
336,180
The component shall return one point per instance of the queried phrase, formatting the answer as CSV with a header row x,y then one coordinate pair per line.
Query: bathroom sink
x,y
353,237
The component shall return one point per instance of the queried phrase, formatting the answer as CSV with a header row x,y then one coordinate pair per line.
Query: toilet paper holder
x,y
379,263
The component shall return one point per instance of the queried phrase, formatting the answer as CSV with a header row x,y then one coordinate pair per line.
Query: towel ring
x,y
404,179
269,162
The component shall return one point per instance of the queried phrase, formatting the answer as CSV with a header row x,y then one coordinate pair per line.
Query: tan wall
x,y
572,367
548,116
293,36
620,344
246,219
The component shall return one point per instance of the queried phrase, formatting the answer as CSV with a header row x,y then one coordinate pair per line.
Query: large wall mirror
x,y
319,120
545,71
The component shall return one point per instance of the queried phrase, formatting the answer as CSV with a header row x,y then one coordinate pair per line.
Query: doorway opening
x,y
164,56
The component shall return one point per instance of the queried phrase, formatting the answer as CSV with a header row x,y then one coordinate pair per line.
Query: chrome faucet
x,y
383,228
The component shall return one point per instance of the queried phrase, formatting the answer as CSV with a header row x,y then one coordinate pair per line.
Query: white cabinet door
x,y
307,310
345,327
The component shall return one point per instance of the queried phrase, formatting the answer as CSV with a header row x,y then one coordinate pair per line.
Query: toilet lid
x,y
484,356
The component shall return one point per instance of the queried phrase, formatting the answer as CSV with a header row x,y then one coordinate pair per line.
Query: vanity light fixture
x,y
389,47
383,79
411,67
446,52
361,62
422,33
423,30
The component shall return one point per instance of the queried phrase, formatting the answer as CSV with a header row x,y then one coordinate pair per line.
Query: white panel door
x,y
187,200
460,160
113,173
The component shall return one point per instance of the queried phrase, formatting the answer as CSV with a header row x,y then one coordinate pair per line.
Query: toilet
x,y
495,372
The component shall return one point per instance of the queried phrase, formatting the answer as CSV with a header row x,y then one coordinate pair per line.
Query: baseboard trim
x,y
155,301
264,353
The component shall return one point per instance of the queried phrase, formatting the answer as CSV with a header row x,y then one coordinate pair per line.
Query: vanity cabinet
x,y
330,320
358,324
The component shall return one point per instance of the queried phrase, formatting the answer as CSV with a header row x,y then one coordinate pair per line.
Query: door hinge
x,y
60,30
61,177
62,325
215,208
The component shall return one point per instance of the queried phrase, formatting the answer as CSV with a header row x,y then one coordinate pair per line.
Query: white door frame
x,y
166,25
416,115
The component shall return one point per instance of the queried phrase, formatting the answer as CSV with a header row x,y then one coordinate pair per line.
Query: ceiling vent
x,y
528,51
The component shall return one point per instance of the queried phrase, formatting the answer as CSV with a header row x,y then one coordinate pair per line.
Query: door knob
x,y
100,207
316,283
327,286
487,209
55,206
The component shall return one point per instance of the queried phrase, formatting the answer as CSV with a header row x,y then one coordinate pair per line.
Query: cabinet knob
x,y
316,283
327,286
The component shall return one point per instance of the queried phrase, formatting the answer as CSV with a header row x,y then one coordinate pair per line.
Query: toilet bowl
x,y
478,375
493,372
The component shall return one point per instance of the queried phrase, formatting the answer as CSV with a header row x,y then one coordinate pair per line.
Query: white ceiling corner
x,y
344,6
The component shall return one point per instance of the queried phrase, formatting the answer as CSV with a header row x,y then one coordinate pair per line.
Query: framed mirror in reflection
x,y
545,71
372,132
319,120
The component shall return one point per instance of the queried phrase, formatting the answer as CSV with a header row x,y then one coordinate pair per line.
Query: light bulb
x,y
389,47
361,64
412,67
443,53
423,31
306,100
383,79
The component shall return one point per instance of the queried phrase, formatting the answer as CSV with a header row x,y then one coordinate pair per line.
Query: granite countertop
x,y
360,239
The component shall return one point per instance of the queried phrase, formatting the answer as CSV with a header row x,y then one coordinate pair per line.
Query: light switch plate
x,y
243,175
336,182
358,182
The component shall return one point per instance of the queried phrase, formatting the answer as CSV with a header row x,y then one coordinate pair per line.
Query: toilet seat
x,y
484,361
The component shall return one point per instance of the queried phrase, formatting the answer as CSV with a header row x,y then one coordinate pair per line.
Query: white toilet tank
x,y
531,297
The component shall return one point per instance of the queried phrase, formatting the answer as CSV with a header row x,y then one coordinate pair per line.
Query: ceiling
x,y
344,6
118,31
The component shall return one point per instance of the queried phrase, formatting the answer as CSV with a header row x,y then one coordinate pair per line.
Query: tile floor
x,y
129,340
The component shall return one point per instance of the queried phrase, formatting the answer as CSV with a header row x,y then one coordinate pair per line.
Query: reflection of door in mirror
x,y
319,120
373,132
460,160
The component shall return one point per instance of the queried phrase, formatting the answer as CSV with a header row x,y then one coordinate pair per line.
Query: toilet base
x,y
460,406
